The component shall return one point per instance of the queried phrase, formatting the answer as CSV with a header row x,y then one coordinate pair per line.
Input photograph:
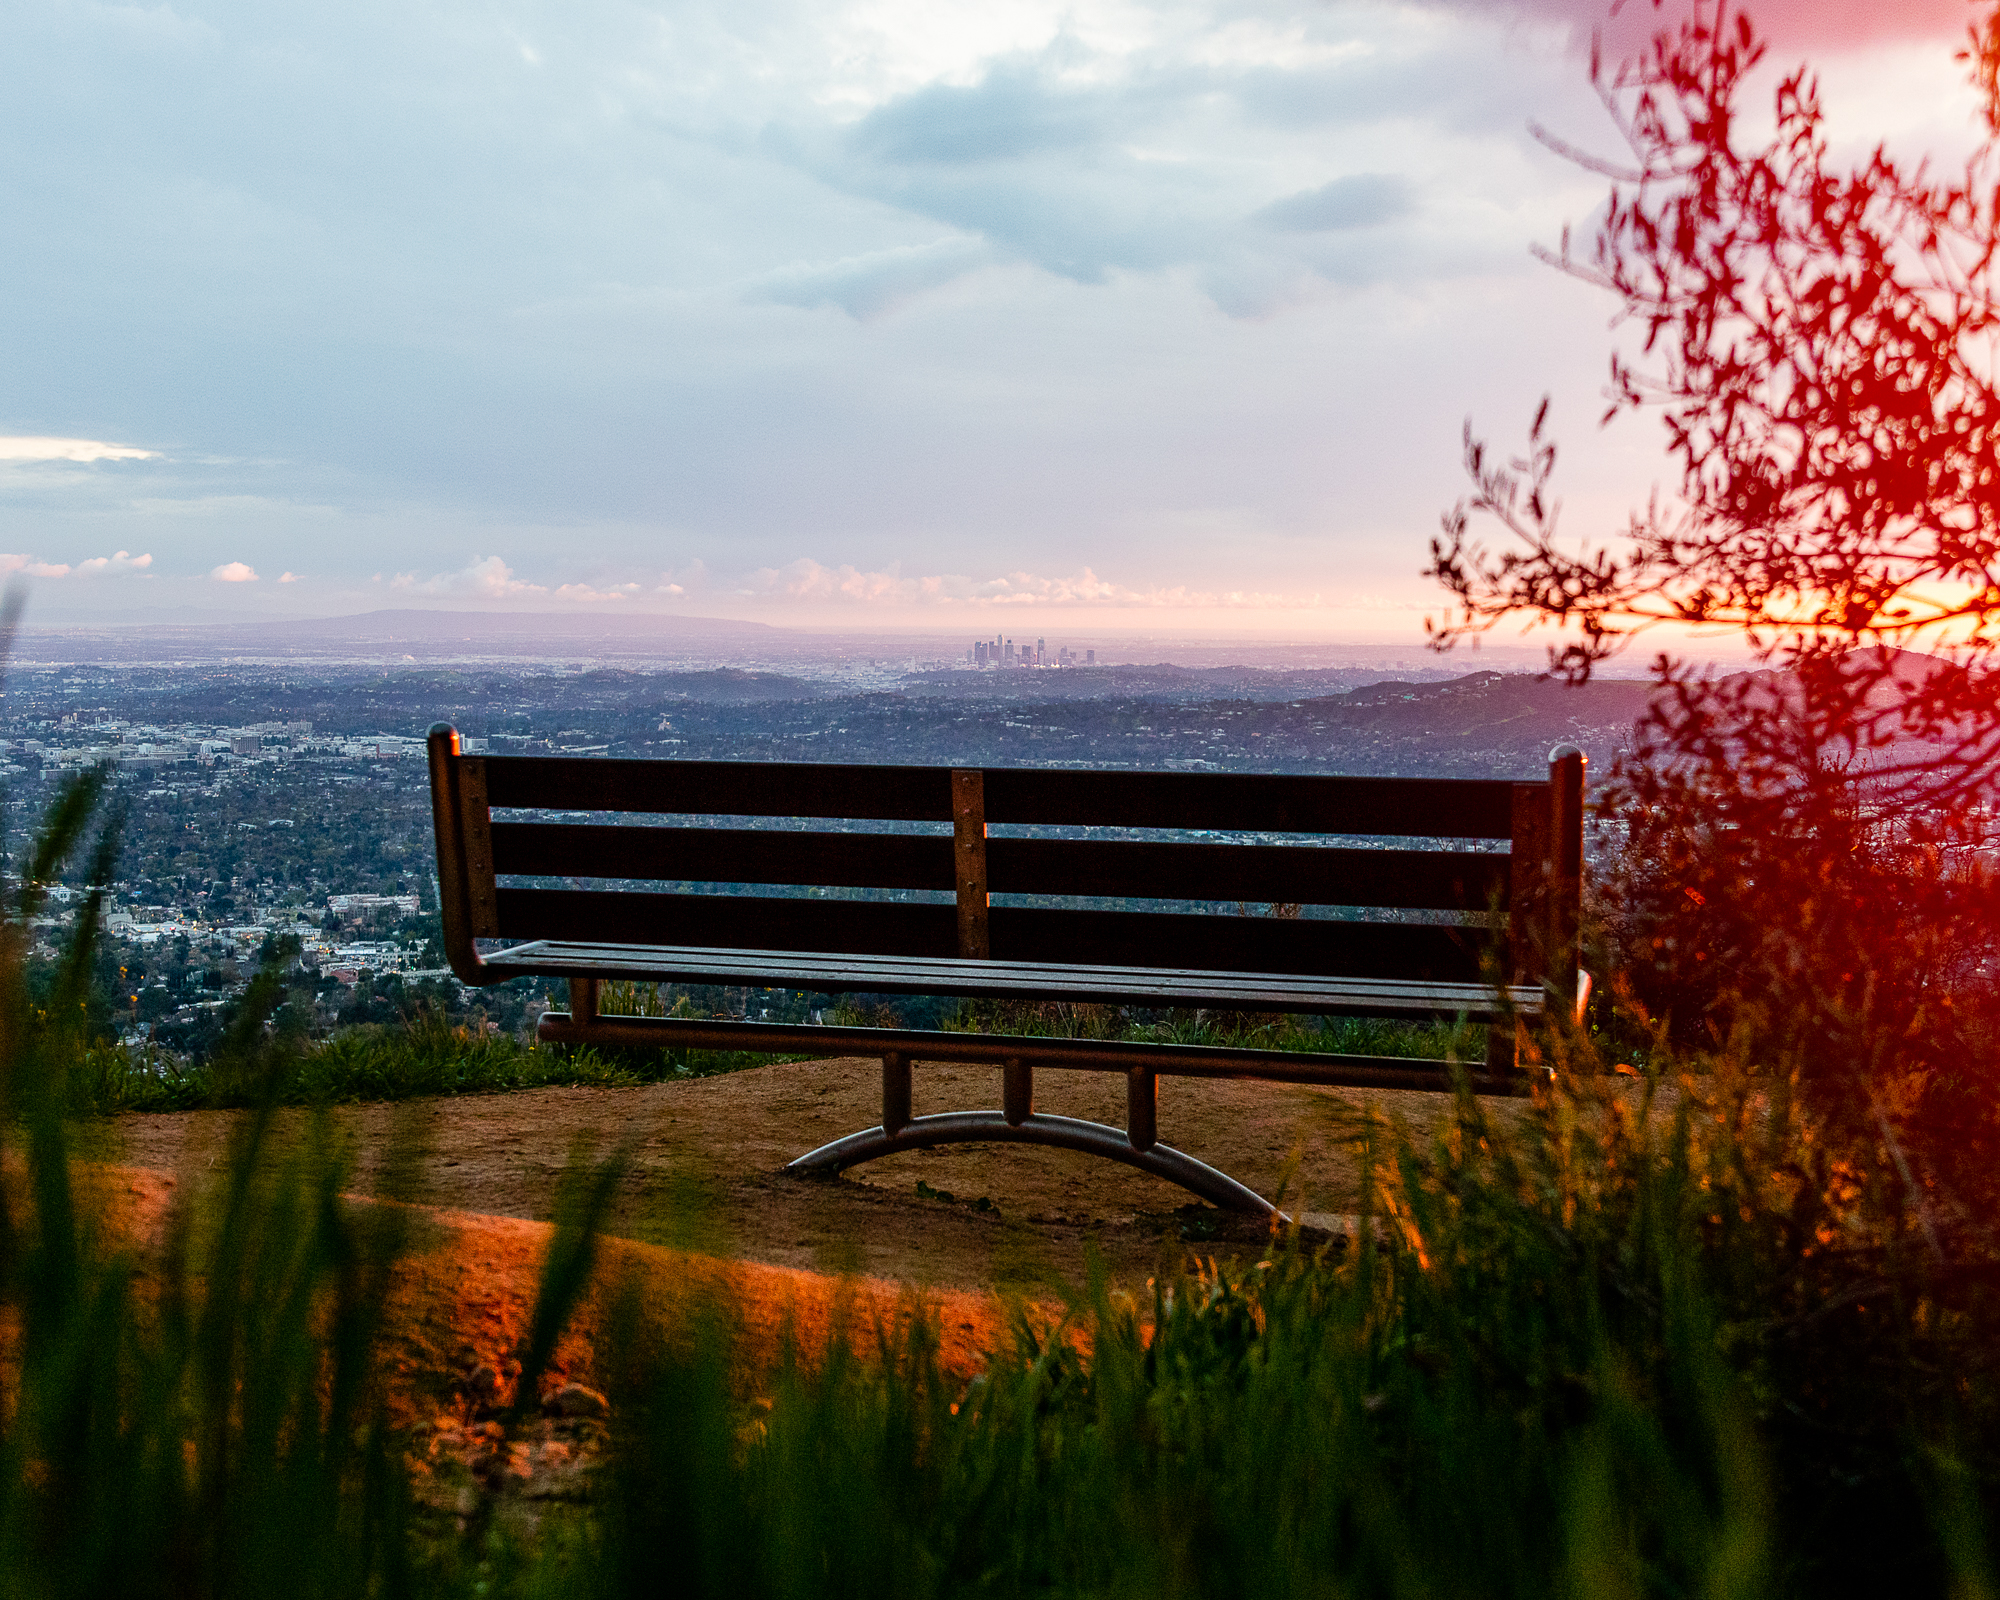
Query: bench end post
x,y
1565,955
458,874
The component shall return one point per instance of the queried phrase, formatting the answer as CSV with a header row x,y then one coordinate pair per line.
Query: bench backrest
x,y
1535,883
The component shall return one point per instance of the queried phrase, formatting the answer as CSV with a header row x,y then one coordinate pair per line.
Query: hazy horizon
x,y
388,636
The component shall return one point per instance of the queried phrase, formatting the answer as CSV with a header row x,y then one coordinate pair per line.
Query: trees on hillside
x,y
1819,341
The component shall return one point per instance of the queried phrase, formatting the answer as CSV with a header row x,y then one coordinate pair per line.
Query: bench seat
x,y
1014,980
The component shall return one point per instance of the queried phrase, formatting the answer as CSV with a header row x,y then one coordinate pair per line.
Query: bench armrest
x,y
460,818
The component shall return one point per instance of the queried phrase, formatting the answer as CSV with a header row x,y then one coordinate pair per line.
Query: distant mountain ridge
x,y
416,634
394,622
432,634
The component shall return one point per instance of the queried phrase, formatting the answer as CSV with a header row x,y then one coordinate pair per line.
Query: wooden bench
x,y
900,901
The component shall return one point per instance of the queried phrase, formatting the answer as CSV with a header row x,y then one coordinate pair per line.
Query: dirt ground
x,y
706,1224
706,1154
460,1302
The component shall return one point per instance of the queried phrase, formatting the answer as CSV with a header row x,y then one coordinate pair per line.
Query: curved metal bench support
x,y
1065,1133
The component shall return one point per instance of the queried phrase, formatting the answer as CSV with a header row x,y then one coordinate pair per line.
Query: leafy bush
x,y
1798,849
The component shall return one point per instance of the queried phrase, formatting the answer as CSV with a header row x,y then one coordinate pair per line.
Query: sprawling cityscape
x,y
264,800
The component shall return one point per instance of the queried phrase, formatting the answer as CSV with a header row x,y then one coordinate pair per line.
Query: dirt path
x,y
458,1311
706,1156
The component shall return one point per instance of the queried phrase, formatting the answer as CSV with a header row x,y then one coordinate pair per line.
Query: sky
x,y
1019,316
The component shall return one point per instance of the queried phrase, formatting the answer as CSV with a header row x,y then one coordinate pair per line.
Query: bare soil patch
x,y
706,1156
707,1232
461,1300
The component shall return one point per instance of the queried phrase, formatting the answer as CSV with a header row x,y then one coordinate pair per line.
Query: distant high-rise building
x,y
1041,651
1090,658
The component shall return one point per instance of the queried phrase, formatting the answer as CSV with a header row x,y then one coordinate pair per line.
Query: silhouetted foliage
x,y
1800,849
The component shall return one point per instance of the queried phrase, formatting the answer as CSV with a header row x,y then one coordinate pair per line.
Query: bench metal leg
x,y
1017,1091
1065,1133
895,1092
1142,1109
583,1001
1503,1045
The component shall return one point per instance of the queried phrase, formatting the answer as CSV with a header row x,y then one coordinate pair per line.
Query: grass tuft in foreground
x,y
1582,1358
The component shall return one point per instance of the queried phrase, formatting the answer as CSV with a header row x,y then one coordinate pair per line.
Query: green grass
x,y
1368,1036
1582,1355
1581,1358
424,1057
1574,1358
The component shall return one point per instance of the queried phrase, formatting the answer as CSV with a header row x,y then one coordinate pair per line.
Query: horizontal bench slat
x,y
1224,802
1304,875
722,855
1447,808
1424,953
1114,938
1227,872
825,973
720,788
846,927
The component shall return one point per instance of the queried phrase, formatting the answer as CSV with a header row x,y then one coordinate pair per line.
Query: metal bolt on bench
x,y
1518,913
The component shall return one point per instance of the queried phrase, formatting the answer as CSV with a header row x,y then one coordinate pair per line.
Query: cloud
x,y
234,572
288,577
489,578
807,581
691,579
30,567
1032,168
121,561
1184,155
865,286
1010,114
1360,200
35,447
94,567
589,592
